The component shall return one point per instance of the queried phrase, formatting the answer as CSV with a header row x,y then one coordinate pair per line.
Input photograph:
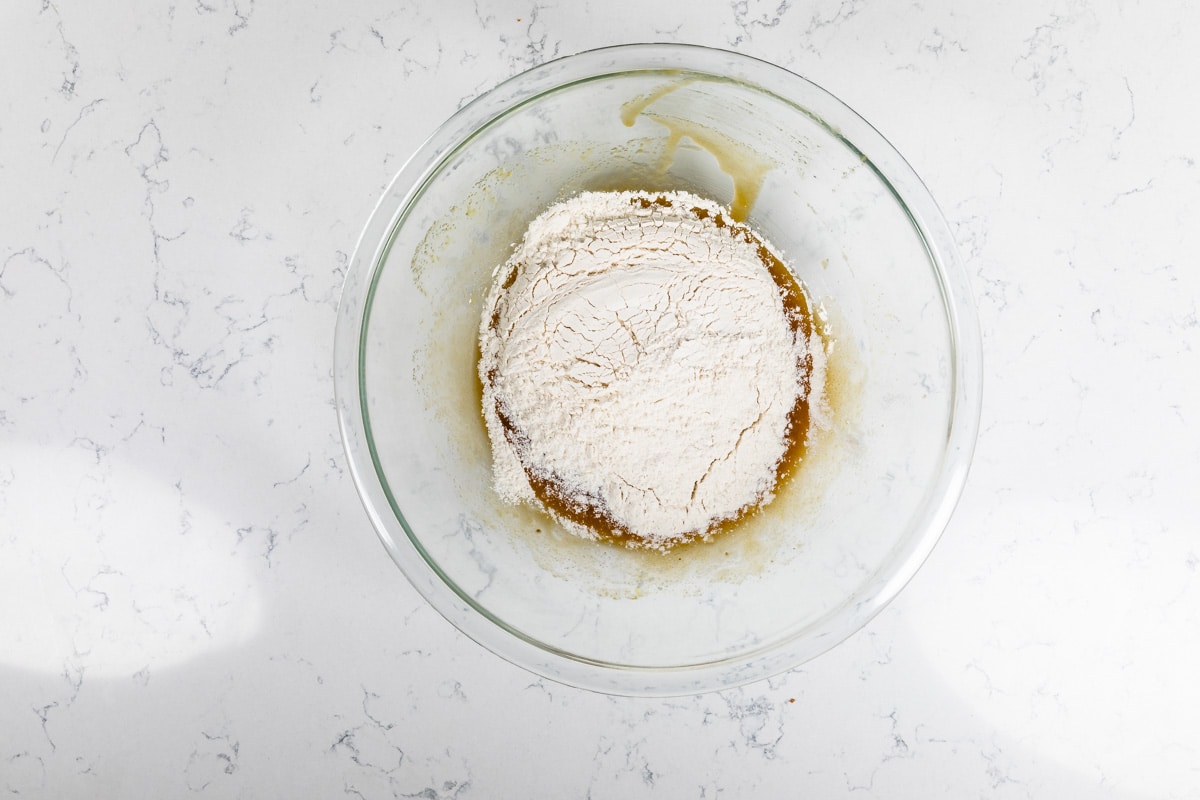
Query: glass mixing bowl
x,y
854,224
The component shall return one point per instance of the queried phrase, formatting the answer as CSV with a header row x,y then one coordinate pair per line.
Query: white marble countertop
x,y
192,600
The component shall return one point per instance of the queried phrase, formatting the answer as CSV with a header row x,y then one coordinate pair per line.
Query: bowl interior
x,y
874,489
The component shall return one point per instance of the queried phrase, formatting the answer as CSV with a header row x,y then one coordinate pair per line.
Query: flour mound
x,y
639,368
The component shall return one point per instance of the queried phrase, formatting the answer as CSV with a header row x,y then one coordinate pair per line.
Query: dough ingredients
x,y
650,369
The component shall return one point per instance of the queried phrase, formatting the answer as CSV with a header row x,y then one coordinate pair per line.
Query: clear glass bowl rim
x,y
404,546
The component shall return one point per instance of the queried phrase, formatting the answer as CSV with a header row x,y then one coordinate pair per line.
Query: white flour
x,y
639,367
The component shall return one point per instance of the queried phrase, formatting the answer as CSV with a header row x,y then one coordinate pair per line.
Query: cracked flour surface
x,y
640,368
